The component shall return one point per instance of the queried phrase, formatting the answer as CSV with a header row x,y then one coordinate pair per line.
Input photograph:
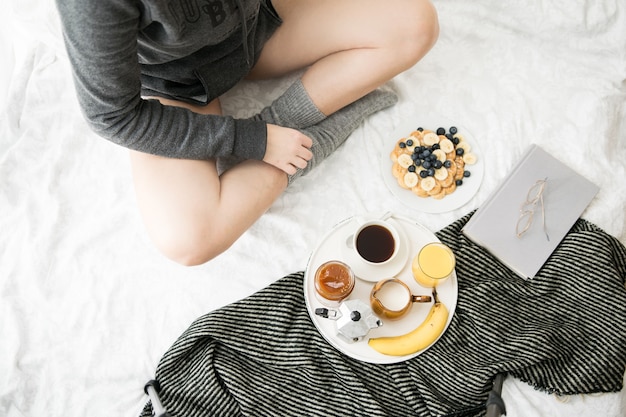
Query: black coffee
x,y
375,243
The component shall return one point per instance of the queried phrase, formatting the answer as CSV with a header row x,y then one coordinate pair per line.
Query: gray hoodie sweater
x,y
189,50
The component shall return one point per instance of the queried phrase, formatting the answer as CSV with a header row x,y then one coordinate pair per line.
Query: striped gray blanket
x,y
562,332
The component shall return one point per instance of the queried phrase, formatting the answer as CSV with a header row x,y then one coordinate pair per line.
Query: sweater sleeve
x,y
101,41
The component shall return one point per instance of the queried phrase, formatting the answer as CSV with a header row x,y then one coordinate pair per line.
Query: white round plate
x,y
332,247
459,197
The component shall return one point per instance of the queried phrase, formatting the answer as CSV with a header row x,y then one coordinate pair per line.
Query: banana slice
x,y
428,183
465,146
469,158
401,182
405,160
430,139
446,145
441,174
448,181
410,179
441,155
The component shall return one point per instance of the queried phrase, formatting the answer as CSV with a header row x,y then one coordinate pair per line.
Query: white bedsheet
x,y
88,306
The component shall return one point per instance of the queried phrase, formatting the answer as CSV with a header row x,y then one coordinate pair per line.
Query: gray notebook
x,y
539,188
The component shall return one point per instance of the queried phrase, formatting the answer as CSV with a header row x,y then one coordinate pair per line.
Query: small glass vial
x,y
334,282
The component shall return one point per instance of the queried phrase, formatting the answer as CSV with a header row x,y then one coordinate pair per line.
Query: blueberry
x,y
453,130
417,162
431,172
447,163
415,157
409,142
426,164
435,146
423,173
426,153
441,131
449,136
402,145
466,174
455,140
411,168
460,151
420,129
438,164
459,182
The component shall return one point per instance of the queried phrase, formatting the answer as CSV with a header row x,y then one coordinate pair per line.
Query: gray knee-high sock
x,y
294,108
329,134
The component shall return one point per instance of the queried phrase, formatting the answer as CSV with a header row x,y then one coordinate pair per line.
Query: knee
x,y
416,30
189,246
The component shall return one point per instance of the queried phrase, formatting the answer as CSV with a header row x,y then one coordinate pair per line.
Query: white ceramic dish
x,y
461,196
332,246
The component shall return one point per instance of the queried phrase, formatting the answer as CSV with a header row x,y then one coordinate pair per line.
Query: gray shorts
x,y
204,76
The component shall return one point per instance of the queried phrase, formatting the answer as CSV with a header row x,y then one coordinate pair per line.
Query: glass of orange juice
x,y
433,264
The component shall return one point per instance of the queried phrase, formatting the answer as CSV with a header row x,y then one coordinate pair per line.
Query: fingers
x,y
287,149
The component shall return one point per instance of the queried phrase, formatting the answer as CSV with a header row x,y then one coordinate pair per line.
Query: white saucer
x,y
374,273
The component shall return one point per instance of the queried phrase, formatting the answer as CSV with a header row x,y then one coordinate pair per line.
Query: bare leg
x,y
350,46
190,212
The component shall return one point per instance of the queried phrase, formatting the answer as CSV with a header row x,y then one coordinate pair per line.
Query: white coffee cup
x,y
376,241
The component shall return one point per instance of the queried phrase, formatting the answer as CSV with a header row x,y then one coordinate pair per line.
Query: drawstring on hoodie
x,y
244,33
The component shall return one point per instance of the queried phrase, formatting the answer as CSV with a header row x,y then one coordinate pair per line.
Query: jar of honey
x,y
334,282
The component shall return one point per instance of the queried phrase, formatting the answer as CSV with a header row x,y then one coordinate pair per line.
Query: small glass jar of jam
x,y
334,282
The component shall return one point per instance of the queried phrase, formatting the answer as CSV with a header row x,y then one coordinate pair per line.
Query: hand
x,y
287,149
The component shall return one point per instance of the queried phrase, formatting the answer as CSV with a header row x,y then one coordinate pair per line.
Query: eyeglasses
x,y
527,210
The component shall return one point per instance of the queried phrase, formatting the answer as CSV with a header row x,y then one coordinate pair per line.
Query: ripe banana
x,y
419,338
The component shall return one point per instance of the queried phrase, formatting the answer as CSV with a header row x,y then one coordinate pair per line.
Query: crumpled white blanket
x,y
88,306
